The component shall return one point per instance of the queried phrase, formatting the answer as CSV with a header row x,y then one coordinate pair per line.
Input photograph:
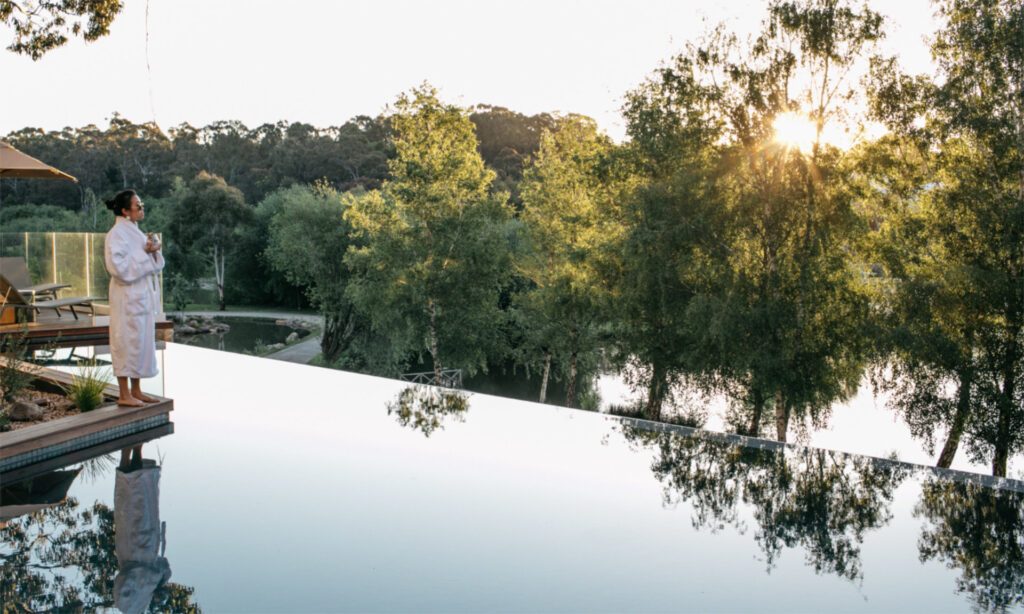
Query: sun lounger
x,y
16,271
14,298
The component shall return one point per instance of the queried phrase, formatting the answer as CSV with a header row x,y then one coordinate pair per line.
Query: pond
x,y
291,488
244,336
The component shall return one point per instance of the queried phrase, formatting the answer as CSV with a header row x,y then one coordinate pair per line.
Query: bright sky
x,y
324,62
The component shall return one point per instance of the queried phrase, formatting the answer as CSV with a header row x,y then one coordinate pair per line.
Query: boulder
x,y
186,330
275,346
292,337
23,411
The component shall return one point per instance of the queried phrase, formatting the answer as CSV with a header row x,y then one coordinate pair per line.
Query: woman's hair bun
x,y
110,203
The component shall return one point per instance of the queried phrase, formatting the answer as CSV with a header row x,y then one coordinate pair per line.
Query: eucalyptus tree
x,y
434,252
791,320
40,26
568,231
207,216
673,234
307,240
959,242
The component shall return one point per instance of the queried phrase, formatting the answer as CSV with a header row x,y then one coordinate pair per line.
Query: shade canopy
x,y
14,163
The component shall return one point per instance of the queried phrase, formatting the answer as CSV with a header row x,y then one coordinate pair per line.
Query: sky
x,y
324,62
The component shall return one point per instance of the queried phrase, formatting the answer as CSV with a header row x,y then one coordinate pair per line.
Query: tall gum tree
x,y
568,231
963,236
793,308
435,251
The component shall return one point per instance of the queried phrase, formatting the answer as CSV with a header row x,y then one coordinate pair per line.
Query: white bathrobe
x,y
134,300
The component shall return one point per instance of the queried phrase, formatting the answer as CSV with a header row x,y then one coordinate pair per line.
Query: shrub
x,y
87,385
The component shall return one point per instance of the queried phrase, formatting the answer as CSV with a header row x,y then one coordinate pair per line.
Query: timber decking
x,y
58,437
67,332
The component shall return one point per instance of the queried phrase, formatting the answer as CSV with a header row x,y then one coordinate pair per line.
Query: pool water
x,y
288,488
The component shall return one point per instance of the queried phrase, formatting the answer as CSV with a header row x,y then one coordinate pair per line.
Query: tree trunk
x,y
656,392
754,430
570,393
338,329
218,273
544,380
956,429
435,354
1005,415
781,417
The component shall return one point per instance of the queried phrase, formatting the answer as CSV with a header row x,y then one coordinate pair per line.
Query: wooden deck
x,y
79,431
49,330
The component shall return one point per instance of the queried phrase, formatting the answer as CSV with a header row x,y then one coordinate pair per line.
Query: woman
x,y
133,261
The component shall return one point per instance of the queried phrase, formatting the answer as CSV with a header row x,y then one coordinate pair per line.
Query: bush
x,y
87,385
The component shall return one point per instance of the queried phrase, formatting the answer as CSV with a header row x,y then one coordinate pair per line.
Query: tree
x,y
673,231
791,318
435,246
208,213
43,25
962,235
567,231
307,241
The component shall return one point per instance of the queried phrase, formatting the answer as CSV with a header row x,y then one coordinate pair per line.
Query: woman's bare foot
x,y
143,397
130,402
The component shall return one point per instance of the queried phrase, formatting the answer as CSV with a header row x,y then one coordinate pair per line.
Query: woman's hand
x,y
152,246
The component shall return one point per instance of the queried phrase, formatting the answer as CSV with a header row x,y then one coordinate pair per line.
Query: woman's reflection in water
x,y
139,539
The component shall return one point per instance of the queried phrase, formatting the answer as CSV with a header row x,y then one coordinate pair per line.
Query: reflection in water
x,y
820,500
64,556
426,408
139,539
980,532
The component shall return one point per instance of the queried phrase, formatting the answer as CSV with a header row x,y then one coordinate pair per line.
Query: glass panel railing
x,y
74,258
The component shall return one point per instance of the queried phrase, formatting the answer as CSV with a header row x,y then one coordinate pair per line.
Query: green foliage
x,y
87,386
43,25
180,291
949,212
208,217
567,234
37,218
309,236
434,244
14,374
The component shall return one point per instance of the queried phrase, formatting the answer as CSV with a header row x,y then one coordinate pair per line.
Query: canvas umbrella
x,y
14,163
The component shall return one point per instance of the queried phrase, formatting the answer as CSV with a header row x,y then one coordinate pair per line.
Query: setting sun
x,y
795,130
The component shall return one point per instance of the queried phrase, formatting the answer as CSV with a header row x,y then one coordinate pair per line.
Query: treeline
x,y
717,249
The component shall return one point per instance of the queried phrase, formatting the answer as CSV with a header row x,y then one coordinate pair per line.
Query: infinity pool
x,y
288,488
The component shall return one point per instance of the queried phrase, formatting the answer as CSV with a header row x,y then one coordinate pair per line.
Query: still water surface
x,y
292,488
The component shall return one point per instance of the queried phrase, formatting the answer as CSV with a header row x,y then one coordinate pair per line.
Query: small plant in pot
x,y
87,386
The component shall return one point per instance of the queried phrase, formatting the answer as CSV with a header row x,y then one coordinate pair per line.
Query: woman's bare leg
x,y
125,398
137,392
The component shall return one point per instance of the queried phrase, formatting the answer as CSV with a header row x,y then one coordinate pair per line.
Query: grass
x,y
87,385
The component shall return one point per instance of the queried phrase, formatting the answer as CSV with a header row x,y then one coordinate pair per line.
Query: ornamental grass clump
x,y
87,385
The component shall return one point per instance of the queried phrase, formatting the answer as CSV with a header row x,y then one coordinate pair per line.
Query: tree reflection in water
x,y
979,531
426,408
62,558
820,500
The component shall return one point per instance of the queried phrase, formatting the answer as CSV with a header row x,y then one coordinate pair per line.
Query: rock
x,y
275,346
281,322
24,411
193,323
187,330
292,337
